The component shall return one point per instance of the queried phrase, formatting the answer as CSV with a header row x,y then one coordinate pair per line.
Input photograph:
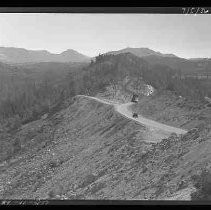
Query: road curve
x,y
123,109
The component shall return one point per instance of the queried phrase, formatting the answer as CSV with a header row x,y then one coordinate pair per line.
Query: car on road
x,y
135,115
134,98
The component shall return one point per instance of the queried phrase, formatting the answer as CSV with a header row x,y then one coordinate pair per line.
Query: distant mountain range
x,y
140,52
12,55
20,55
193,65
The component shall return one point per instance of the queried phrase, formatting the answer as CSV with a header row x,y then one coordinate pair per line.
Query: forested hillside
x,y
191,67
29,90
26,92
111,68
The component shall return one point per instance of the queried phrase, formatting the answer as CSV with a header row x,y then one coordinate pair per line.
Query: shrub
x,y
55,163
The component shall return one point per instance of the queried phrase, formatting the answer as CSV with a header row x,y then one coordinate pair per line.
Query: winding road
x,y
124,110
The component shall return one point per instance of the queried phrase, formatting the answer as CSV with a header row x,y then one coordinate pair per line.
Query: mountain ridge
x,y
140,52
22,55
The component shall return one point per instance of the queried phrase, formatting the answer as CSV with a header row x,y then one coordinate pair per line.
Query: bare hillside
x,y
88,151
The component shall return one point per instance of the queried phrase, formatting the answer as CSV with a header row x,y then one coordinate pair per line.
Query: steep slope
x,y
82,139
20,55
88,151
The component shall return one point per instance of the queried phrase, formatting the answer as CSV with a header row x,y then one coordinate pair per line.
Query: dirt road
x,y
124,109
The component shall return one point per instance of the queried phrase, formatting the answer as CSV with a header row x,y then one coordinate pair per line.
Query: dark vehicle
x,y
135,98
135,115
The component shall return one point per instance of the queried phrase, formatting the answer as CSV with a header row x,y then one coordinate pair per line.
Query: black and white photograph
x,y
105,106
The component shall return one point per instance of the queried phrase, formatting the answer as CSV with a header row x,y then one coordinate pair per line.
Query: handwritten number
x,y
195,11
183,10
206,11
192,9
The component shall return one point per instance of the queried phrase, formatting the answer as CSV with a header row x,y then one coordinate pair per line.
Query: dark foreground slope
x,y
88,151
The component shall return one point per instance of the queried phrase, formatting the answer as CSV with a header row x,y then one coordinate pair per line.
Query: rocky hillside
x,y
123,90
88,151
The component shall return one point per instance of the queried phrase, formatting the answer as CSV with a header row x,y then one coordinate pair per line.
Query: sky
x,y
186,36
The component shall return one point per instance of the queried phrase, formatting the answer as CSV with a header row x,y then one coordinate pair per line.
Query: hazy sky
x,y
91,34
